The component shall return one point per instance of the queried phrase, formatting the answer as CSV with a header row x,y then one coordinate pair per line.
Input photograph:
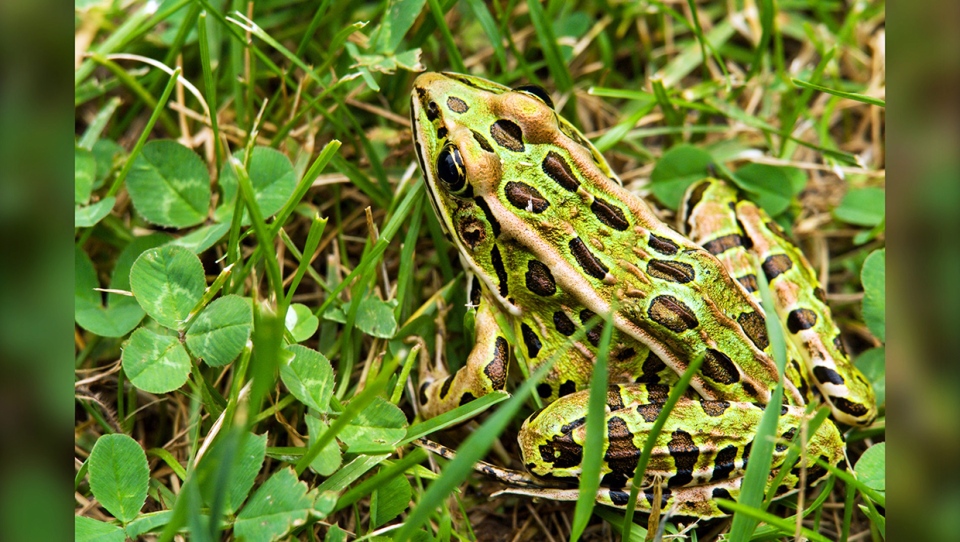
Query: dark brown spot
x,y
588,262
749,283
827,375
672,314
433,112
482,141
457,105
718,367
621,455
750,390
721,493
562,452
685,454
722,244
445,387
488,214
658,393
754,325
568,428
801,319
650,411
724,463
441,133
609,214
423,393
544,390
714,408
593,334
619,498
539,279
496,370
696,194
838,344
497,261
845,405
557,169
651,369
563,323
466,398
663,245
776,265
614,400
820,294
671,271
530,339
625,354
472,231
566,388
786,438
507,134
525,197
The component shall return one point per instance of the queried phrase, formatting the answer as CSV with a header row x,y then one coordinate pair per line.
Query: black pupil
x,y
450,168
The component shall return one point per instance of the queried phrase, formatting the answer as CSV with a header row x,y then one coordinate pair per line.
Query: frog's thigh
x,y
485,370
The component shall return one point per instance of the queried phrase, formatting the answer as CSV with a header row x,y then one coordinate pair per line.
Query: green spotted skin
x,y
551,238
799,299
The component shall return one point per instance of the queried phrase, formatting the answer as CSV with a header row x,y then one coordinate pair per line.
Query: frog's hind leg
x,y
485,370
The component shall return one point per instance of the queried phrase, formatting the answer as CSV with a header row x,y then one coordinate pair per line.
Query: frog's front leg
x,y
701,452
485,370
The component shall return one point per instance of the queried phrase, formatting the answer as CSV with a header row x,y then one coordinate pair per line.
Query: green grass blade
x,y
596,431
862,98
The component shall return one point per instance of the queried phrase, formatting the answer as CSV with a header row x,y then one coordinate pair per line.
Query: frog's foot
x,y
484,372
507,476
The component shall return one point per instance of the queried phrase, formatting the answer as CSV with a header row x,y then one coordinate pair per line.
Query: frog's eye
x,y
450,168
537,91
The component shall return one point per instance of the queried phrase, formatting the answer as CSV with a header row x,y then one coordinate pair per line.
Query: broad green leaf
x,y
147,522
378,426
400,16
679,167
871,468
279,505
84,173
872,364
169,185
772,187
119,475
90,215
301,322
107,152
330,458
874,279
122,313
168,282
243,471
335,534
309,377
91,530
202,238
375,318
273,178
219,333
155,363
862,206
389,500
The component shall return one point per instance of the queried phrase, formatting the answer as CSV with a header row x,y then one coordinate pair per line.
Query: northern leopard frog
x,y
552,238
